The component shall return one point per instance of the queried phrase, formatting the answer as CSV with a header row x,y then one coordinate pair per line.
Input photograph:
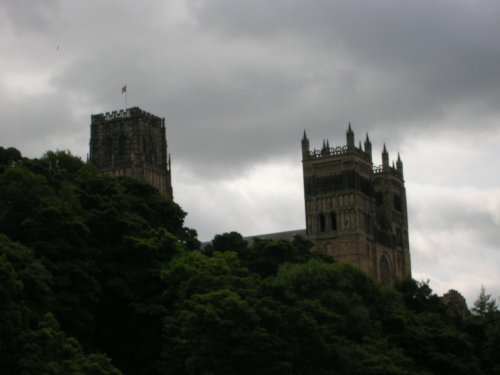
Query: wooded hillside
x,y
99,275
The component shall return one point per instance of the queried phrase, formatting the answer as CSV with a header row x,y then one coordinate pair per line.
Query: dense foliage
x,y
99,275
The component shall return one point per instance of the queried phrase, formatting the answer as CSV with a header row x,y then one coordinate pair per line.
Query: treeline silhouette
x,y
99,275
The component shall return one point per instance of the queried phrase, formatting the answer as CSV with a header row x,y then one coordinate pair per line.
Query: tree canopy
x,y
99,275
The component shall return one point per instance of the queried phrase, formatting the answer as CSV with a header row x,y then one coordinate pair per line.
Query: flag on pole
x,y
124,91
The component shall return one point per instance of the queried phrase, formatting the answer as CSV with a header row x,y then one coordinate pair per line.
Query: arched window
x,y
385,270
322,223
108,149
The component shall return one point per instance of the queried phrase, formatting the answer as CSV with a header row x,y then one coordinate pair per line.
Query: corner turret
x,y
399,165
350,138
368,147
325,150
385,159
305,146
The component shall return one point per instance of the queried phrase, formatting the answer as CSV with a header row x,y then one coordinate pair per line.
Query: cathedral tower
x,y
131,143
355,211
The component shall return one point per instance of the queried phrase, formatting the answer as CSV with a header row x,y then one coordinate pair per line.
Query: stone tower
x,y
131,143
355,211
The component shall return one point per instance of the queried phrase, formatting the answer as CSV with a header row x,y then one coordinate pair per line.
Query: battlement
x,y
134,112
336,151
331,151
379,170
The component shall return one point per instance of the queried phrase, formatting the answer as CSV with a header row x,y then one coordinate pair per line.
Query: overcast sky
x,y
239,81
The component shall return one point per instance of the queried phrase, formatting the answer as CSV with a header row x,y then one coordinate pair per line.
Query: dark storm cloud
x,y
65,61
26,16
386,66
214,110
438,52
239,81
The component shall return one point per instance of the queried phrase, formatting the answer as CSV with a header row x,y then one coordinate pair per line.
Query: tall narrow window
x,y
398,205
152,150
144,149
368,223
108,149
122,146
322,223
333,221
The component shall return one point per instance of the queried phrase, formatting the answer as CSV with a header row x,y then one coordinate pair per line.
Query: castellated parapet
x,y
132,143
356,212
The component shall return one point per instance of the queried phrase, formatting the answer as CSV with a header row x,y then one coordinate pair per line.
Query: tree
x,y
265,256
418,296
25,295
47,350
215,332
430,336
131,309
484,328
213,325
8,157
193,272
484,304
21,191
232,241
31,340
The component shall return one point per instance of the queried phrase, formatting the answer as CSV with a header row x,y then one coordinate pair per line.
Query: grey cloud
x,y
244,92
251,98
387,32
438,52
26,16
454,219
30,124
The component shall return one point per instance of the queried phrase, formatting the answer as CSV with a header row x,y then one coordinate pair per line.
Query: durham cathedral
x,y
355,211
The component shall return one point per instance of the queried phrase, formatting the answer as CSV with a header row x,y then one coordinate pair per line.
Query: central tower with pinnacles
x,y
356,212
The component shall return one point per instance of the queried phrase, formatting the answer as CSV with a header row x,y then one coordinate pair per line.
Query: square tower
x,y
131,143
356,212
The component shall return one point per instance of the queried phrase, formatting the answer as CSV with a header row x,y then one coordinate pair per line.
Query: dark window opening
x,y
322,226
365,186
122,146
333,221
152,150
108,149
144,149
368,223
398,206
